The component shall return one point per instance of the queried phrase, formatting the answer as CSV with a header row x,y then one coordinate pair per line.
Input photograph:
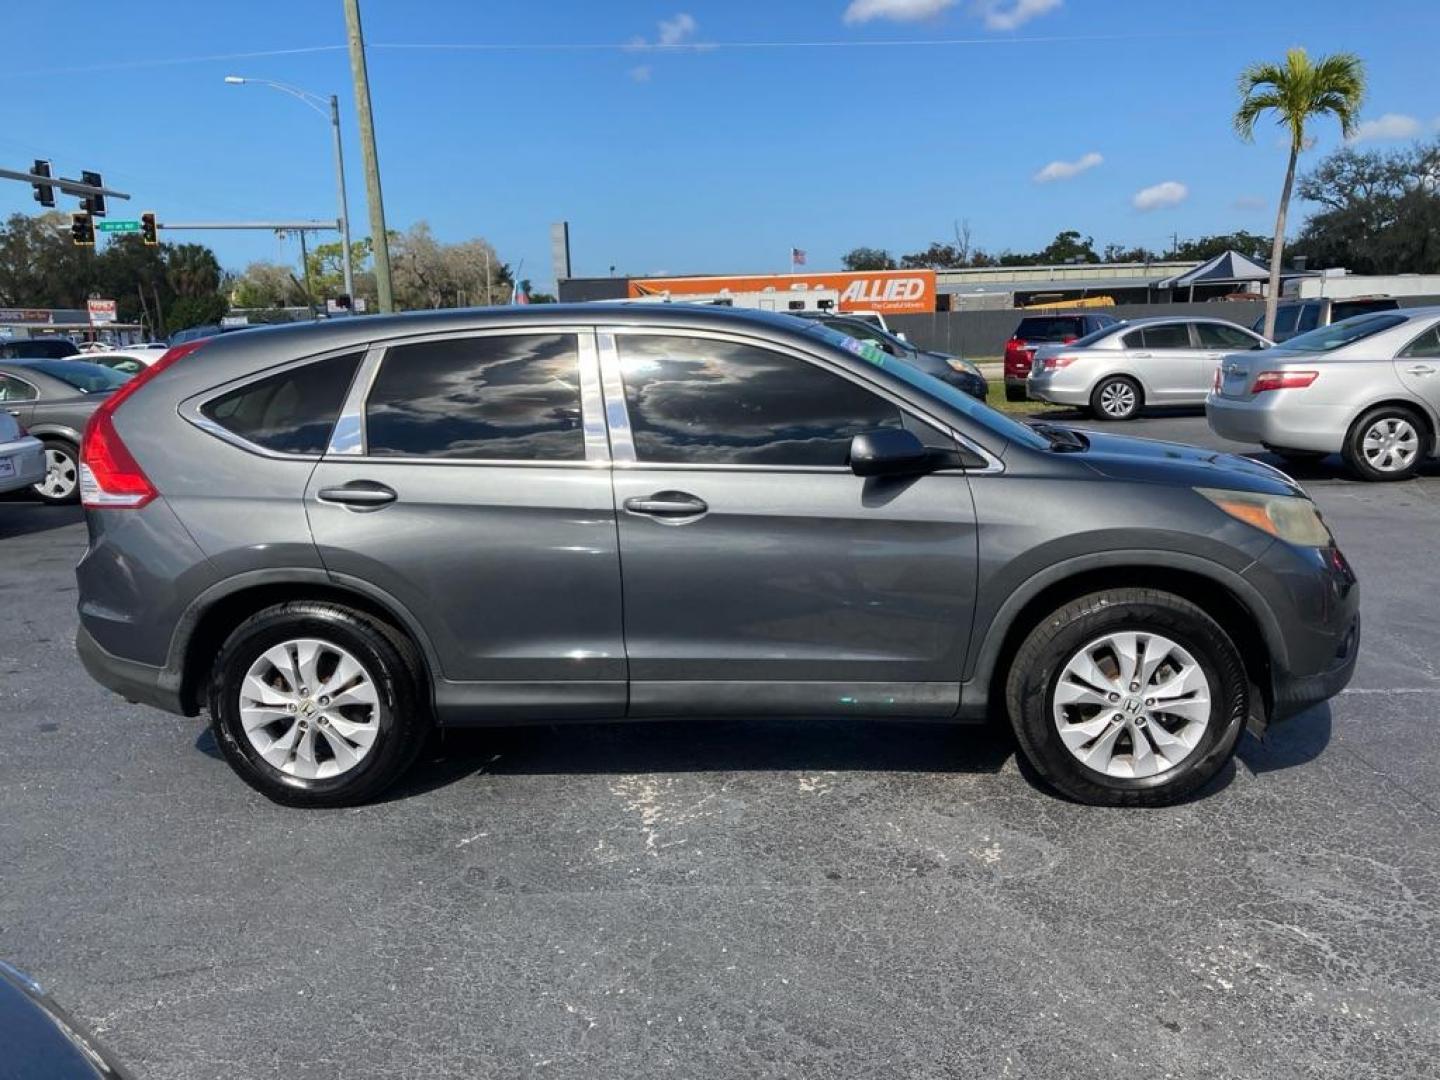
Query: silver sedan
x,y
1367,387
1118,370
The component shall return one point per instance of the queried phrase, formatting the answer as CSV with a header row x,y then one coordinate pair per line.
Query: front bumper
x,y
1275,418
26,457
1315,599
135,682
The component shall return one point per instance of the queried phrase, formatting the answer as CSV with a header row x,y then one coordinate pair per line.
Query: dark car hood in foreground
x,y
1124,457
42,1041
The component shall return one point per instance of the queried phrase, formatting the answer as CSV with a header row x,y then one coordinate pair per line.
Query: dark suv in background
x,y
1294,317
1037,330
335,536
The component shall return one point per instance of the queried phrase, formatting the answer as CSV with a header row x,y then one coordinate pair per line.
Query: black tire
x,y
1042,657
1103,406
389,659
1354,452
1016,393
71,472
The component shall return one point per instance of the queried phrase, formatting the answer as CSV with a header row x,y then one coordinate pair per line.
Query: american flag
x,y
797,257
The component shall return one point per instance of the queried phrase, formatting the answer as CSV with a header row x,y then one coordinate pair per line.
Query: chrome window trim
x,y
622,437
347,437
597,446
190,408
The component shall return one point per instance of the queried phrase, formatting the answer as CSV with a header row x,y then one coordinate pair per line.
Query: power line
x,y
131,65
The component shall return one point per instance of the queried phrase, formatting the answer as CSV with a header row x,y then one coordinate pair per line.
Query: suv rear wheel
x,y
1117,398
315,704
1129,697
1387,443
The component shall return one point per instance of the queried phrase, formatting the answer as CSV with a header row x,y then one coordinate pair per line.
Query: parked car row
x,y
53,400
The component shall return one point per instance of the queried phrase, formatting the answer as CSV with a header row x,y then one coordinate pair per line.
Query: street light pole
x,y
313,101
344,202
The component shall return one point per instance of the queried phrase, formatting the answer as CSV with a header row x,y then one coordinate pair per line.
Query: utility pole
x,y
378,236
344,202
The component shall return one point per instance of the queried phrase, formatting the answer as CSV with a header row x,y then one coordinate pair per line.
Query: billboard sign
x,y
892,292
101,311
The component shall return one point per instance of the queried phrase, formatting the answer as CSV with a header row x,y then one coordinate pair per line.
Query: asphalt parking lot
x,y
739,898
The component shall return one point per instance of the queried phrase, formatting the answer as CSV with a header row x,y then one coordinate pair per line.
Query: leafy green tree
x,y
192,269
1207,247
867,258
201,310
1297,91
1068,247
264,285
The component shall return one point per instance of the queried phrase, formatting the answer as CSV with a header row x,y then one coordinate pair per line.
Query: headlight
x,y
1292,518
965,367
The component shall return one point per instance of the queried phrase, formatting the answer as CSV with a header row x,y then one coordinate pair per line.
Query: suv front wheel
x,y
315,704
1130,697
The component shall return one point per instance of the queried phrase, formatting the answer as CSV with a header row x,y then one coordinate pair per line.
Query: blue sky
x,y
899,117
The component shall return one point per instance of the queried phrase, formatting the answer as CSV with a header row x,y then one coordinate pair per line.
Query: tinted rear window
x,y
1050,328
1348,309
504,397
1168,336
291,412
41,347
1338,335
85,377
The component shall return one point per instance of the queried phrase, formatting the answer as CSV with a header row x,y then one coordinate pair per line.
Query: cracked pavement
x,y
756,898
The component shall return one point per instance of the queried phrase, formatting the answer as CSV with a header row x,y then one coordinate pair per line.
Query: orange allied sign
x,y
892,292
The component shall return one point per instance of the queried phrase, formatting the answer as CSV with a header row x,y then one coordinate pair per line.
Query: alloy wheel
x,y
1131,704
1390,444
61,475
1117,399
309,708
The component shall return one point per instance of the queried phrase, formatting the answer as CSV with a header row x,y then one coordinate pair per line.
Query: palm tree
x,y
1296,91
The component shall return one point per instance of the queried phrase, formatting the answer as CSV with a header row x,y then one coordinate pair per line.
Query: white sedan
x,y
22,457
127,361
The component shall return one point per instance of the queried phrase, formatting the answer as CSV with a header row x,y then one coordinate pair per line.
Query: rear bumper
x,y
27,456
1043,389
140,683
1276,419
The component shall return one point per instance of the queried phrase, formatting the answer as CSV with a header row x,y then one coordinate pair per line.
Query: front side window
x,y
291,412
503,397
1166,336
698,401
1220,336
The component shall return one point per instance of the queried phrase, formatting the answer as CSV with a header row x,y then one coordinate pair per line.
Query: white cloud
x,y
640,73
1157,196
862,11
1388,127
1064,170
1249,202
678,30
1012,14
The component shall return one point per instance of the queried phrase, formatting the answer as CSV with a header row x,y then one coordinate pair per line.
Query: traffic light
x,y
147,228
92,204
44,193
82,230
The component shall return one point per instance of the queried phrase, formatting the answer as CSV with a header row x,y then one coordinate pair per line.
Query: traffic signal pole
x,y
378,236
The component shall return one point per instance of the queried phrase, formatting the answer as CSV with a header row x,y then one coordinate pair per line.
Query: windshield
x,y
932,387
83,376
1338,335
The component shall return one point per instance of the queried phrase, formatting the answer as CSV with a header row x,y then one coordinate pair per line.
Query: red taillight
x,y
110,478
1068,339
1051,363
1283,380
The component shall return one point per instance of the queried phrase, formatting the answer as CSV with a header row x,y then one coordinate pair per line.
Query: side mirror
x,y
888,452
901,335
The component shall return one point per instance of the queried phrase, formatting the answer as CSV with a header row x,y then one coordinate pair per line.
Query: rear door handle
x,y
1420,369
1141,355
361,494
672,504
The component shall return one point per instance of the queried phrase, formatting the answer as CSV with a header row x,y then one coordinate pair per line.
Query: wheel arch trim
x,y
988,647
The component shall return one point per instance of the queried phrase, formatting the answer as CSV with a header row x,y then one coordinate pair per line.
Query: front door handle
x,y
361,494
1141,355
667,504
1420,369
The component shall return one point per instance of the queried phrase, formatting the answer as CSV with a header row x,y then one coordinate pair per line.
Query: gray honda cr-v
x,y
333,537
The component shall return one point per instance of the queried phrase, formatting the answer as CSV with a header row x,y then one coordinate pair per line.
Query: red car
x,y
1036,330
